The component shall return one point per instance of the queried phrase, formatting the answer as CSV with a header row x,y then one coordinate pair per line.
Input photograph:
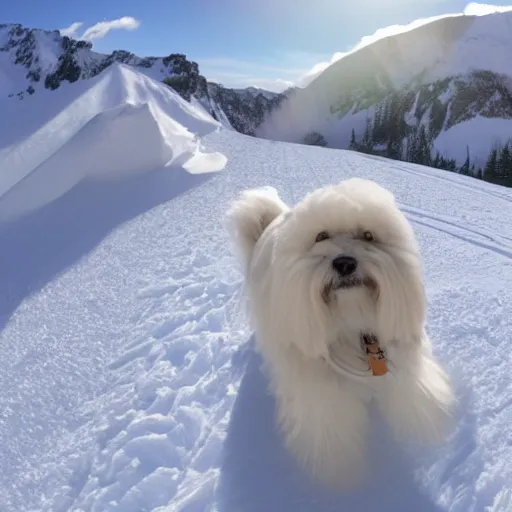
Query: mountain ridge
x,y
32,58
439,94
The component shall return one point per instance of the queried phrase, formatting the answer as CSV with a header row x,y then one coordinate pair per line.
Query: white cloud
x,y
100,29
472,9
476,9
71,31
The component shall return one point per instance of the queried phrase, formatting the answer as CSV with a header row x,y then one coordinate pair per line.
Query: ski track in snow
x,y
480,238
166,352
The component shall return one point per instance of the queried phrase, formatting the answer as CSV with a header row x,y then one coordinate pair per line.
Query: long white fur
x,y
324,416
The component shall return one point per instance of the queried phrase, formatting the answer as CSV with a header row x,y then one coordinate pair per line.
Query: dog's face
x,y
346,237
343,259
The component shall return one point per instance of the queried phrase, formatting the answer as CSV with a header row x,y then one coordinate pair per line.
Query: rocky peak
x,y
49,59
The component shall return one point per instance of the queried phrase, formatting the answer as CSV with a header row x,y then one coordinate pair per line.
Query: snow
x,y
487,44
13,77
479,134
128,376
11,80
443,46
120,122
48,49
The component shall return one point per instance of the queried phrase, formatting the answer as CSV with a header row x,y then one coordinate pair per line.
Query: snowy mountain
x,y
450,78
127,374
254,91
32,60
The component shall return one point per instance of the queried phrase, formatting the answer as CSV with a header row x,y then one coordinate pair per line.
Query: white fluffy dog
x,y
342,263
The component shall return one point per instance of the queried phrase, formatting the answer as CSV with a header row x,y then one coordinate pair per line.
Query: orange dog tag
x,y
376,357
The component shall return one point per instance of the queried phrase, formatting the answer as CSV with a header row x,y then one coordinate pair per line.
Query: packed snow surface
x,y
127,375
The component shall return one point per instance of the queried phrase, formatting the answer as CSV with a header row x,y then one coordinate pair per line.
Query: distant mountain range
x,y
32,59
438,95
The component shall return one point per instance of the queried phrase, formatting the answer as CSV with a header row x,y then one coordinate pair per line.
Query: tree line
x,y
498,168
388,135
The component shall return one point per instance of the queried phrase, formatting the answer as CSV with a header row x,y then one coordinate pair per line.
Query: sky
x,y
271,44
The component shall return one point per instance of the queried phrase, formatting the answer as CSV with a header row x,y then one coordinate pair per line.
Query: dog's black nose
x,y
344,265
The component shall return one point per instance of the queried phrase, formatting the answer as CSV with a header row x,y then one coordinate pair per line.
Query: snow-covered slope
x,y
127,376
118,123
453,71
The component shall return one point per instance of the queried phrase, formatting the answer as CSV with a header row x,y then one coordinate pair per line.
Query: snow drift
x,y
117,124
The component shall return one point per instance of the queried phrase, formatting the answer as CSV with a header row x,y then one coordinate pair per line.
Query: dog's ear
x,y
250,215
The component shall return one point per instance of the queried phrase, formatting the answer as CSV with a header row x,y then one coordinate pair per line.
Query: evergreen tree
x,y
465,169
396,129
423,147
451,165
367,143
353,143
505,164
491,166
448,164
379,127
437,161
411,154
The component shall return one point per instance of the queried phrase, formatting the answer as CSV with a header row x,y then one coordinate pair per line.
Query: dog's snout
x,y
344,265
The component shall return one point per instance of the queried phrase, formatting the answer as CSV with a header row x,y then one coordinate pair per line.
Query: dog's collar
x,y
376,357
377,362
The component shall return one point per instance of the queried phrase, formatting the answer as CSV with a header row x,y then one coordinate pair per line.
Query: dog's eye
x,y
323,235
368,236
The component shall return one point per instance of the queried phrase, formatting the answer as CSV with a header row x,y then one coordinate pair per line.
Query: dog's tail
x,y
250,215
